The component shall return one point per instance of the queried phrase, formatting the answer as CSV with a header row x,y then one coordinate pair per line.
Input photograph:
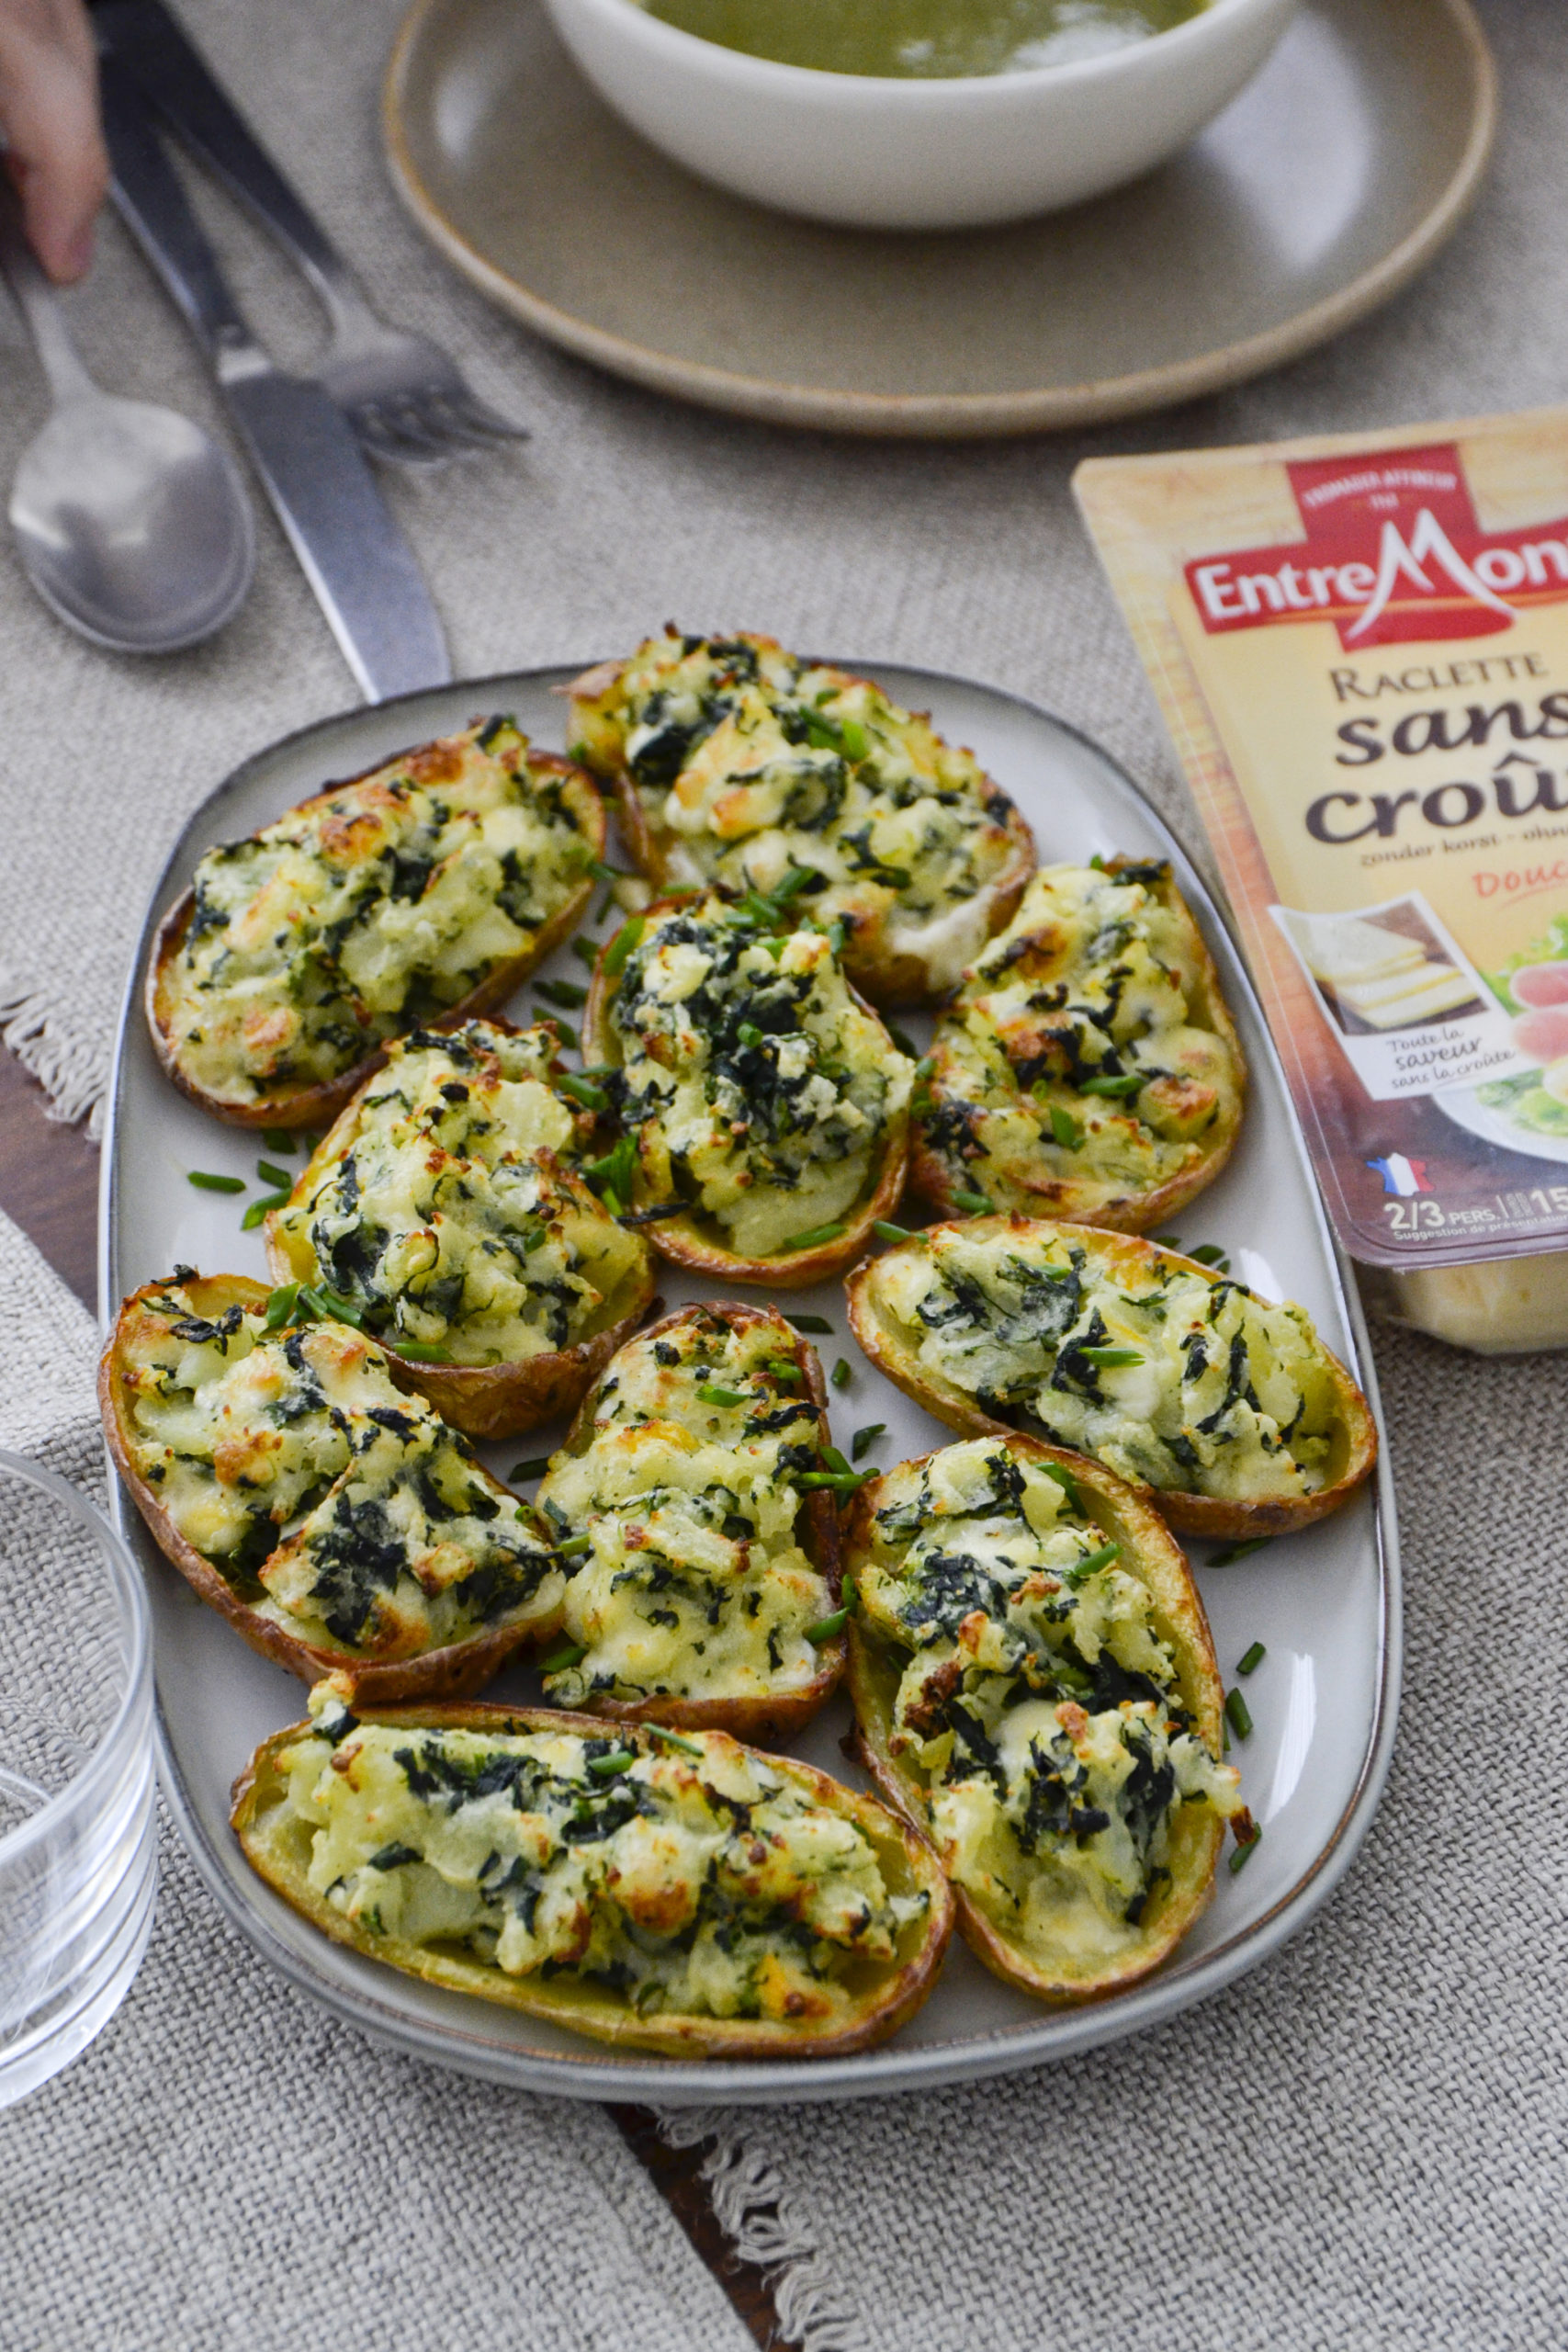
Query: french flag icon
x,y
1401,1175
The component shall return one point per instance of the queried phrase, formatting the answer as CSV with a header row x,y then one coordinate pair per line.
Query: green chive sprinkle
x,y
1209,1253
563,992
419,1351
886,1231
1239,1551
331,1304
205,1183
621,946
280,1306
258,1209
1109,1359
574,1547
976,1203
906,1044
605,1767
566,1032
748,1033
834,1459
841,1374
1243,1854
1167,1242
1065,1129
585,951
842,1482
534,1467
271,1175
815,1324
863,1439
673,1739
592,1097
1066,1480
826,1629
814,1239
569,1654
1129,1083
1238,1714
710,1394
277,1139
1092,1562
1253,1661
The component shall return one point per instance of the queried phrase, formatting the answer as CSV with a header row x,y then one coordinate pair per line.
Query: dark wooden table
x,y
49,1184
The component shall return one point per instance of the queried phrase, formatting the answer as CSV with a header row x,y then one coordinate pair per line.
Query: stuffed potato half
x,y
447,1208
1227,1412
766,1105
709,1594
737,763
414,895
1088,1067
675,1892
1035,1685
334,1522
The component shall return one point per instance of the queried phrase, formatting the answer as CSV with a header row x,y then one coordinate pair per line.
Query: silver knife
x,y
358,563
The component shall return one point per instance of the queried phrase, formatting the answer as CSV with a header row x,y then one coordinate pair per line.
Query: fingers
x,y
48,112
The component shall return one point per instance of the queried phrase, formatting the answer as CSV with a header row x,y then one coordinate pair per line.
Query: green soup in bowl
x,y
926,39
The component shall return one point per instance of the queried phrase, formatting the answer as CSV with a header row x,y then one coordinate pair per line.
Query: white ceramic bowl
x,y
868,152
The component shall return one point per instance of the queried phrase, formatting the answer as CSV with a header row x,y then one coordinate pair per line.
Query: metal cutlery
x,y
312,466
133,523
407,401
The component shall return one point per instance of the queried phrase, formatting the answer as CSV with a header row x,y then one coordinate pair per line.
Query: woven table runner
x,y
227,2169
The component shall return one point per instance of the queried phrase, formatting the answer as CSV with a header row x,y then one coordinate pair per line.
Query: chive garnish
x,y
574,1547
419,1351
207,1183
534,1467
748,1033
826,1629
592,1097
1209,1253
1244,1852
841,1374
1109,1359
1128,1083
621,946
259,1208
1238,1714
605,1767
1253,1661
1066,1480
280,1306
566,1032
278,1139
569,1654
863,1439
813,1323
1167,1242
834,1459
673,1739
1065,1129
565,993
886,1231
842,1482
784,1368
271,1175
973,1203
711,1395
1239,1551
1092,1562
906,1044
814,1239
585,951
330,1305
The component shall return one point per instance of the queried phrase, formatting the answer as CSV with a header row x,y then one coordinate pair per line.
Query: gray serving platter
x,y
1325,1603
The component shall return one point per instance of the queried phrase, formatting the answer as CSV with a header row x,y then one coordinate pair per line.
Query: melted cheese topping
x,y
1075,1067
1039,1698
695,1585
338,1509
1216,1392
452,1213
367,911
697,1878
757,1090
750,762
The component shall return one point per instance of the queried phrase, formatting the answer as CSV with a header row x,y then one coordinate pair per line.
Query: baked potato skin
x,y
1039,1191
886,977
745,1719
483,1400
1220,1517
1199,1832
906,1859
681,1239
317,1106
454,1672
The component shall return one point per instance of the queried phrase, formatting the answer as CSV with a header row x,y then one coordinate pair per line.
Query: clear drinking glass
x,y
77,1835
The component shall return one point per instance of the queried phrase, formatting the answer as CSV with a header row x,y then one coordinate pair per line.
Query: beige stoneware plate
x,y
1325,1603
1319,192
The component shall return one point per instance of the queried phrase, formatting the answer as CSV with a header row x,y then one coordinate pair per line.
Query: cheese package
x,y
1360,646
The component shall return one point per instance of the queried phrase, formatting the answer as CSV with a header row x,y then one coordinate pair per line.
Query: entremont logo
x,y
1393,553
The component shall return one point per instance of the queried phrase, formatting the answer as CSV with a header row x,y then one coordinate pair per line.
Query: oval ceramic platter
x,y
1325,1603
1318,193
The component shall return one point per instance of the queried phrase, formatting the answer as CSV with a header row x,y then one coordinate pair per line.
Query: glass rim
x,y
125,1578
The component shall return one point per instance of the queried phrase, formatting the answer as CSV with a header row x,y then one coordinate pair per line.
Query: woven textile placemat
x,y
626,509
227,2169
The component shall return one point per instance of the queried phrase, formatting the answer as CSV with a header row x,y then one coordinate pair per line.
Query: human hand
x,y
54,140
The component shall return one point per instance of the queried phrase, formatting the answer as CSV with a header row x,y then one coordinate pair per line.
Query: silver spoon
x,y
131,521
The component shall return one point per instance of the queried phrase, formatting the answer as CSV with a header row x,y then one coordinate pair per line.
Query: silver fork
x,y
407,401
